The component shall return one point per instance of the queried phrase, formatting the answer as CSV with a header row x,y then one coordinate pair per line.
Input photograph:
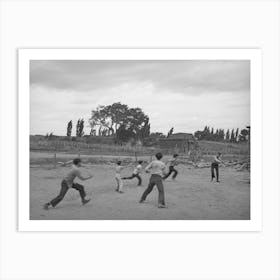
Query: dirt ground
x,y
191,197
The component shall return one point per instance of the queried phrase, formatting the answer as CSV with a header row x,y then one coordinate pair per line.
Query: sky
x,y
186,95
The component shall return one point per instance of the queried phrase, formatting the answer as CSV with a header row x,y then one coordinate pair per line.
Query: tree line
x,y
132,124
233,135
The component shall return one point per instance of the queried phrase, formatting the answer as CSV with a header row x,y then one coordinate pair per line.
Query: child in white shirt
x,y
118,177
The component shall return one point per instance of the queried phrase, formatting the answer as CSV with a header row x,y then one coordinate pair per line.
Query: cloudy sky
x,y
186,95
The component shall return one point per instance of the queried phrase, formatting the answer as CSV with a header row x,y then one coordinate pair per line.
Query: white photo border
x,y
24,222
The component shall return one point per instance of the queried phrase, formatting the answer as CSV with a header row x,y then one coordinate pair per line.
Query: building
x,y
177,142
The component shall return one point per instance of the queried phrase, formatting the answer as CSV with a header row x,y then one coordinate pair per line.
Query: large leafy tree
x,y
114,119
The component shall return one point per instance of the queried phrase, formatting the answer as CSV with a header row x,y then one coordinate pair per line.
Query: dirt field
x,y
191,197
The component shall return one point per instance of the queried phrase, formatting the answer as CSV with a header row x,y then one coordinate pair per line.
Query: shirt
x,y
137,169
119,169
73,173
156,167
173,162
217,159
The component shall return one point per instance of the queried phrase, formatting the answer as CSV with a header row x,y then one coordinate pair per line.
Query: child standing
x,y
157,168
136,173
68,182
215,167
118,177
172,163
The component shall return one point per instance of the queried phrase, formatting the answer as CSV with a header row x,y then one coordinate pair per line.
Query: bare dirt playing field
x,y
191,197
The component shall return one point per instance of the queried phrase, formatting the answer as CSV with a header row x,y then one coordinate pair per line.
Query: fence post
x,y
54,159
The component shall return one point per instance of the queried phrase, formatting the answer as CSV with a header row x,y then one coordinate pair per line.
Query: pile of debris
x,y
243,165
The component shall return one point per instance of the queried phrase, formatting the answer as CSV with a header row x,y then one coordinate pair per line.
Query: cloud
x,y
187,77
185,94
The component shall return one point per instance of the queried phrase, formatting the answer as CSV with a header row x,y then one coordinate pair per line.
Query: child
x,y
118,177
136,173
215,166
172,163
157,168
68,182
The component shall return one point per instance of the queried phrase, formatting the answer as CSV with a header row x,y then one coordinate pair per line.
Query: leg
x,y
217,173
175,173
128,178
212,172
120,184
63,191
168,174
161,199
81,190
148,190
139,179
117,189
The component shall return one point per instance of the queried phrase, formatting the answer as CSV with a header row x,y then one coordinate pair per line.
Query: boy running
x,y
215,167
118,177
136,173
157,168
172,163
68,182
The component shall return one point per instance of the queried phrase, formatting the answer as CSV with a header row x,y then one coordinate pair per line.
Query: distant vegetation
x,y
132,125
118,129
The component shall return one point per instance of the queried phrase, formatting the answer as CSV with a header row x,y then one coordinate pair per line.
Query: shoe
x,y
120,191
162,206
141,200
85,201
116,190
46,206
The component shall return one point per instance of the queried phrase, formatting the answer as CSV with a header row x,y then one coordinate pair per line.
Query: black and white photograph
x,y
140,139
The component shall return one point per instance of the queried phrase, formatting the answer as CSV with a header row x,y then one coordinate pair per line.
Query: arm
x,y
65,163
165,170
217,160
81,177
148,167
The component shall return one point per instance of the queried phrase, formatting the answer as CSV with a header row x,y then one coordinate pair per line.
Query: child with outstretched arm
x,y
68,183
136,173
172,163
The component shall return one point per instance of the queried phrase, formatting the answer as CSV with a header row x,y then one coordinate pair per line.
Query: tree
x,y
77,127
69,129
80,128
109,119
228,136
145,130
237,135
92,132
244,134
212,132
124,134
232,136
